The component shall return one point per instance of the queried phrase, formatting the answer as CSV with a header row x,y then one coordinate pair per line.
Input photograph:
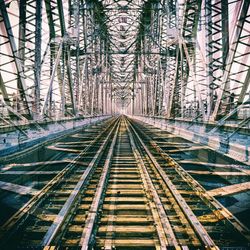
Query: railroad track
x,y
128,194
223,227
42,208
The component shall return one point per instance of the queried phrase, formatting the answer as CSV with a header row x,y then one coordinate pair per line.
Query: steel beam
x,y
231,56
7,29
37,65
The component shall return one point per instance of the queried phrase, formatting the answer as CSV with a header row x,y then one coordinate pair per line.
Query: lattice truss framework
x,y
54,57
197,62
186,59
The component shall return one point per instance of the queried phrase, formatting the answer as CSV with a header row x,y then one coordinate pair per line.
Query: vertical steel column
x,y
37,65
224,30
21,41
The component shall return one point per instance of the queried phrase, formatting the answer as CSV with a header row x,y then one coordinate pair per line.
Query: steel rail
x,y
163,226
193,220
60,218
91,218
108,243
21,215
218,209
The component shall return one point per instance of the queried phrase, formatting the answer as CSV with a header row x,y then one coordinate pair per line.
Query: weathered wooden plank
x,y
194,148
229,190
29,172
246,172
23,190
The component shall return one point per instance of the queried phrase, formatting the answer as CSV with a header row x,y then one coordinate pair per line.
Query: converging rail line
x,y
121,191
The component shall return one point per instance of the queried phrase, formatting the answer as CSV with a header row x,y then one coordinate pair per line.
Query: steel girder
x,y
207,78
47,75
234,84
185,59
12,61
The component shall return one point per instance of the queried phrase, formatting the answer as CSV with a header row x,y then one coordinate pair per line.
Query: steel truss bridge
x,y
178,59
124,124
